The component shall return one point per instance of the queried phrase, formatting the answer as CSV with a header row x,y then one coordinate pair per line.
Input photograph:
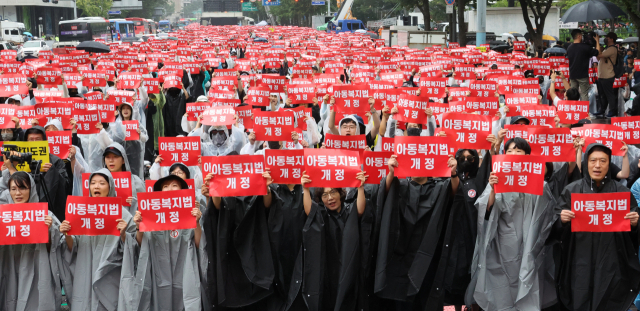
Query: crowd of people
x,y
390,241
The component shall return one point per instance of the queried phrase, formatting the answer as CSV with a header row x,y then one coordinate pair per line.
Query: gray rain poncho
x,y
90,272
221,143
29,278
134,148
137,183
510,248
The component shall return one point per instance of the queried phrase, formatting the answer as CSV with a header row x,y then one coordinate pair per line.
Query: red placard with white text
x,y
185,150
196,109
286,166
301,93
273,125
520,99
572,111
121,96
274,83
148,184
244,116
631,128
93,216
131,128
467,130
23,223
166,210
422,156
94,78
411,109
487,106
376,165
7,112
153,85
519,173
555,144
59,143
600,212
258,96
218,116
608,135
47,112
12,84
352,142
238,175
123,184
48,76
332,168
106,108
86,121
352,98
129,80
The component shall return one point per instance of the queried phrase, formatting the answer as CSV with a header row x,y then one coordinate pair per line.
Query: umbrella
x,y
259,40
600,33
592,10
548,38
372,35
92,46
500,48
630,39
506,34
516,34
555,50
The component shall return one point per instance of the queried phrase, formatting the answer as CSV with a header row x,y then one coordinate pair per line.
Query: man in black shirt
x,y
579,55
567,44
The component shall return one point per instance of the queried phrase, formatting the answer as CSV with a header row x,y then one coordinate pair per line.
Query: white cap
x,y
202,98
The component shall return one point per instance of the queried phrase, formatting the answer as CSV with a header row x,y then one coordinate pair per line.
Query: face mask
x,y
413,131
218,139
7,136
465,166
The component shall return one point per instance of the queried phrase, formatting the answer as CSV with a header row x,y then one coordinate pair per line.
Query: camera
x,y
21,157
589,38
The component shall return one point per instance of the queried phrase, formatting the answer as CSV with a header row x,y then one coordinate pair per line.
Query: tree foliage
x,y
94,7
539,9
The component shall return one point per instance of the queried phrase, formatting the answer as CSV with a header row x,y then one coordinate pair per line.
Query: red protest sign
x,y
13,84
487,106
61,112
481,88
122,182
129,80
301,93
467,130
376,165
185,150
106,108
93,215
258,96
218,116
411,109
275,83
286,166
520,99
172,81
166,210
572,111
94,78
152,85
352,142
352,98
273,125
556,144
541,115
608,135
121,96
519,45
631,128
244,116
59,143
86,121
422,156
519,173
433,87
6,113
8,55
148,184
332,168
196,109
49,76
239,175
24,223
131,128
600,212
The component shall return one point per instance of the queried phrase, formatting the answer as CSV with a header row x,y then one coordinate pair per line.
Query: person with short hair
x,y
579,55
606,76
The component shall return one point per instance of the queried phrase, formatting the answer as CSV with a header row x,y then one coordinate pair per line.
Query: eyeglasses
x,y
14,190
468,158
332,193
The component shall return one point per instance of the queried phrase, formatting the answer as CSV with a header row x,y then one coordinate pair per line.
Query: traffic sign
x,y
449,9
450,2
115,12
317,3
249,7
270,3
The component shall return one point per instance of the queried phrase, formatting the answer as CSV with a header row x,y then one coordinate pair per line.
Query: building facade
x,y
38,17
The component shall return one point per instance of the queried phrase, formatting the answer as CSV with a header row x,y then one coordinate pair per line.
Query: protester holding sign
x,y
115,159
581,279
25,262
174,108
92,264
118,133
512,231
220,140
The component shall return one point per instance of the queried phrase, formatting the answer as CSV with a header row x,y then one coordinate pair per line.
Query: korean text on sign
x,y
166,210
273,125
93,215
23,223
239,175
421,156
286,165
467,130
332,168
600,212
519,173
179,149
376,165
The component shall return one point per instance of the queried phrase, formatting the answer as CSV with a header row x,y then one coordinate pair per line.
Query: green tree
x,y
94,7
422,5
194,6
539,9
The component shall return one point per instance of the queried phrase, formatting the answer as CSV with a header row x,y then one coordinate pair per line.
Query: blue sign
x,y
317,3
270,3
450,2
115,12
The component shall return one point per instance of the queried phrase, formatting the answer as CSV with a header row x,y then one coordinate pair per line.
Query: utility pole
x,y
481,34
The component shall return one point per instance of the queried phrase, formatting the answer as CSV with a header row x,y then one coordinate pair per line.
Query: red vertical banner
x,y
411,109
555,144
93,215
123,184
86,121
286,165
239,175
59,143
572,111
131,128
608,135
519,173
219,116
601,212
467,130
23,223
332,168
166,210
376,165
273,125
631,128
422,156
185,150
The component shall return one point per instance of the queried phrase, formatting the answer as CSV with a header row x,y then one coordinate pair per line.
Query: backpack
x,y
618,67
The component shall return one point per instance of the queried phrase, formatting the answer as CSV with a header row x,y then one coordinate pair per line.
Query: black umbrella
x,y
500,48
555,50
630,40
93,46
592,10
